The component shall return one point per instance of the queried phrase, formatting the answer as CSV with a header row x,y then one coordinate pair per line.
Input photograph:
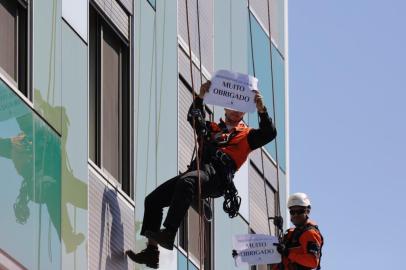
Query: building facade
x,y
93,103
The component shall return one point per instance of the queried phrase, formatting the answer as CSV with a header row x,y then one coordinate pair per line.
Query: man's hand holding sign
x,y
234,91
254,249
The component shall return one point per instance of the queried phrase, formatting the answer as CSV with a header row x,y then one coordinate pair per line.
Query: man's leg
x,y
184,194
153,209
185,191
155,202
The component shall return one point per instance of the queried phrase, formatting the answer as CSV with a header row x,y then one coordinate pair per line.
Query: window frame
x,y
125,101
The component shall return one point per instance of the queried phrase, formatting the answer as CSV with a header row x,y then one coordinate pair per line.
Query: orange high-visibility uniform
x,y
238,142
304,252
238,147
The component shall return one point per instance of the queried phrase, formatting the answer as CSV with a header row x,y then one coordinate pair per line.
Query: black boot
x,y
164,238
148,256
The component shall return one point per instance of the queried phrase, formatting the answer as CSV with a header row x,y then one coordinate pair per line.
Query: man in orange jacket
x,y
223,148
301,246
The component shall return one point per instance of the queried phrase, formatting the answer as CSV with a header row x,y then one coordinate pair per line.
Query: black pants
x,y
178,193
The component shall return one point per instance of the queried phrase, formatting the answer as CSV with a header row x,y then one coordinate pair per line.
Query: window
x,y
189,237
109,102
14,42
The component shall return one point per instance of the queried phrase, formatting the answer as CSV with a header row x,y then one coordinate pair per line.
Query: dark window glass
x,y
13,42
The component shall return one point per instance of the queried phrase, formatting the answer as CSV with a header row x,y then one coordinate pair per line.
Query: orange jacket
x,y
304,252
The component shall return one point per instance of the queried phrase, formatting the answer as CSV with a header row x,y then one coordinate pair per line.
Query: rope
x,y
278,206
277,210
262,154
201,216
194,124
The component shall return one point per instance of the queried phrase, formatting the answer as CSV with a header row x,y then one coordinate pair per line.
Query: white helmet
x,y
298,199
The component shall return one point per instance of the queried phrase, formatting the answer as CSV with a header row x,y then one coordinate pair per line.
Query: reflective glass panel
x,y
261,66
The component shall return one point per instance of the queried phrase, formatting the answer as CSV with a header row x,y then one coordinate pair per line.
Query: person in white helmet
x,y
301,245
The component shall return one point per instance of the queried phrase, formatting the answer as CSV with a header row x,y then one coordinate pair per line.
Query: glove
x,y
282,249
234,254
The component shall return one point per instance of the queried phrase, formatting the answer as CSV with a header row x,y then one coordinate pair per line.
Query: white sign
x,y
255,249
232,90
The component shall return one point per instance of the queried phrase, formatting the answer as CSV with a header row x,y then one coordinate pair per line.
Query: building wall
x,y
70,214
74,148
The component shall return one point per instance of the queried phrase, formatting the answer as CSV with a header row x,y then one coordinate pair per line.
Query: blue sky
x,y
348,126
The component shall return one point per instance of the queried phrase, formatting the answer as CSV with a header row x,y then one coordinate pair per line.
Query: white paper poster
x,y
253,249
232,90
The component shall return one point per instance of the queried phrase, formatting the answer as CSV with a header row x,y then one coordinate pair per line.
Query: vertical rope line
x,y
201,217
193,96
278,206
156,98
262,154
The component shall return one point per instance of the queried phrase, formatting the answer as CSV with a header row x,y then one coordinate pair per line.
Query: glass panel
x,y
277,10
241,182
31,167
152,3
156,102
184,264
47,194
182,261
144,80
231,39
192,266
47,61
262,70
166,107
230,32
74,166
75,13
224,229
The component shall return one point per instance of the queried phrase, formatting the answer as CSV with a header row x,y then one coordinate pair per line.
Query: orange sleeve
x,y
306,258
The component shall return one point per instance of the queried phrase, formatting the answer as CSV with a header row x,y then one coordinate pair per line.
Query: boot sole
x,y
152,235
131,257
